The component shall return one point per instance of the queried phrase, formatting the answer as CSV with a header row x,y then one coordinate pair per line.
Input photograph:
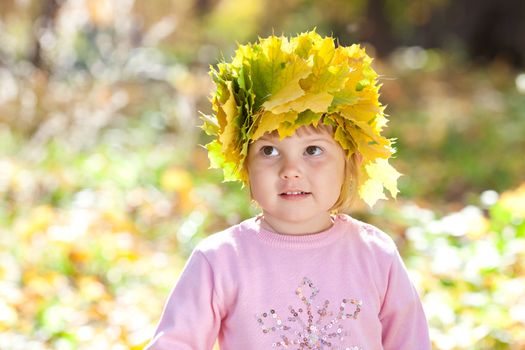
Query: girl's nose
x,y
290,169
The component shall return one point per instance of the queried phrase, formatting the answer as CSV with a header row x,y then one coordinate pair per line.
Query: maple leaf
x,y
275,71
380,175
218,161
230,110
318,102
304,118
270,122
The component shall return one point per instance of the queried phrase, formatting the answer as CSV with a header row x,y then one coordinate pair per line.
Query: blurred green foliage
x,y
104,189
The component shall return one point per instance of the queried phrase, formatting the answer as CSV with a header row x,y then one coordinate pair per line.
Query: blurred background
x,y
104,189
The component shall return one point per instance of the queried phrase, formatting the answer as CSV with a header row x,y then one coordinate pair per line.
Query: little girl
x,y
298,121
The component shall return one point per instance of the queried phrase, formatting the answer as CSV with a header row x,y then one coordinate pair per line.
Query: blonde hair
x,y
348,190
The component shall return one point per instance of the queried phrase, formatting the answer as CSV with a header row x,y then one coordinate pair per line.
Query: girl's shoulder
x,y
217,240
367,235
227,239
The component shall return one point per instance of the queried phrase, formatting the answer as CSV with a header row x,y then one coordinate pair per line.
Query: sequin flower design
x,y
311,326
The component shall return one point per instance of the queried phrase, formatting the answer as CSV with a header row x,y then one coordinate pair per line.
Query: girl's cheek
x,y
318,162
264,164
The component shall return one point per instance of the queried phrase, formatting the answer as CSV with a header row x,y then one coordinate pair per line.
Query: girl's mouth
x,y
294,194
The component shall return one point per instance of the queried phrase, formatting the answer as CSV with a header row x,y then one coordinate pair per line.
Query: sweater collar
x,y
314,240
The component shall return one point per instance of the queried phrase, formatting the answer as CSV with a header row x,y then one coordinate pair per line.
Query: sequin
x,y
305,332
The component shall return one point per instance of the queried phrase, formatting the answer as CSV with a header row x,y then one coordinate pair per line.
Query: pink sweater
x,y
345,288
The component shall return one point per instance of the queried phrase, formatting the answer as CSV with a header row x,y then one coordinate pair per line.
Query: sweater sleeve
x,y
404,325
191,316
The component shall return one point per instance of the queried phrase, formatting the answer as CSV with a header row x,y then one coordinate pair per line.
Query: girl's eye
x,y
313,150
269,151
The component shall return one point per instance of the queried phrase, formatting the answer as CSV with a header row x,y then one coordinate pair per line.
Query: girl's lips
x,y
294,194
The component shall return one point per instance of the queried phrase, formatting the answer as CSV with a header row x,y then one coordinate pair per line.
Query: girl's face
x,y
297,180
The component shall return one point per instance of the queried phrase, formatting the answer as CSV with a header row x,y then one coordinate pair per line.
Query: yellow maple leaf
x,y
360,111
275,71
371,191
307,117
302,44
380,175
231,129
317,103
329,70
341,136
297,69
270,122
